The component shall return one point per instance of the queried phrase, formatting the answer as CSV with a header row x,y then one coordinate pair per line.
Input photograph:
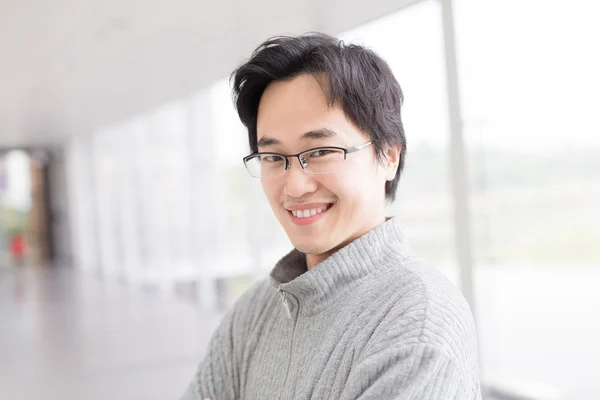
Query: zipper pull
x,y
285,304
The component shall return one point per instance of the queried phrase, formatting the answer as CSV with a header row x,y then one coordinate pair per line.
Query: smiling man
x,y
349,313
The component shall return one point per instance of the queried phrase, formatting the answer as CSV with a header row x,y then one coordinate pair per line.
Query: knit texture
x,y
369,322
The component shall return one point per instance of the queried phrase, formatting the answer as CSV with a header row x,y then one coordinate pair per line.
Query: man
x,y
349,313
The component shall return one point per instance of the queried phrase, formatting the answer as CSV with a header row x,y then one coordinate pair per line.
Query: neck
x,y
314,259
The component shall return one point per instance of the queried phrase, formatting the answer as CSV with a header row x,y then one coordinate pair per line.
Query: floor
x,y
68,335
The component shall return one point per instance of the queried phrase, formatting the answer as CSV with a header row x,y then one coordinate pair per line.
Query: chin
x,y
310,247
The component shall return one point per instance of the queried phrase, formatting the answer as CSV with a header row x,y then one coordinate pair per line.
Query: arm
x,y
216,375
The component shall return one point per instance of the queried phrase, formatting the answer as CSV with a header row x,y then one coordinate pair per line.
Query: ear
x,y
392,160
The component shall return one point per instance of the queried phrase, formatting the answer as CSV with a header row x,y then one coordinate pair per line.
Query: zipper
x,y
289,314
285,303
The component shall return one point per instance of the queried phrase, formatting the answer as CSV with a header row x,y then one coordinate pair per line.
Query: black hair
x,y
358,80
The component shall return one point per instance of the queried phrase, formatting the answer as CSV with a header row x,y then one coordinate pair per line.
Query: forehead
x,y
288,109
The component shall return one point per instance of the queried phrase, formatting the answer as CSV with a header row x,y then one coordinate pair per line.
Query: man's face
x,y
351,200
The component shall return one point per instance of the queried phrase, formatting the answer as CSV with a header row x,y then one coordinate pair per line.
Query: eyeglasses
x,y
317,161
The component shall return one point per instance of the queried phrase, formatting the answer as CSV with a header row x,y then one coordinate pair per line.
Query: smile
x,y
309,213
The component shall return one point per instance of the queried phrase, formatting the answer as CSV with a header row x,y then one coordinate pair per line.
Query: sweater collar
x,y
343,270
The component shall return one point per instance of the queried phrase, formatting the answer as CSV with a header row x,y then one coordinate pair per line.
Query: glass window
x,y
530,84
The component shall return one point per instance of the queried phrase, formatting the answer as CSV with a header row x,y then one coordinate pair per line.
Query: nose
x,y
297,181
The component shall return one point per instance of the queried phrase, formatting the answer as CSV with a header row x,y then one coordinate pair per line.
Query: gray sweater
x,y
369,322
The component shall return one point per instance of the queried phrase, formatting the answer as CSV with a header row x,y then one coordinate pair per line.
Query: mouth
x,y
309,213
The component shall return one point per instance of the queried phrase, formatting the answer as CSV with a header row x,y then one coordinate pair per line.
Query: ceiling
x,y
69,66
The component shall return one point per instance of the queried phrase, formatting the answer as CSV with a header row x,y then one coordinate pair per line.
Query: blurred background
x,y
128,223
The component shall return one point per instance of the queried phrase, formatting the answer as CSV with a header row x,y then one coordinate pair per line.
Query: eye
x,y
320,153
271,158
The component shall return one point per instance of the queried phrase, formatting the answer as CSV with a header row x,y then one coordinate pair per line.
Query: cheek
x,y
361,182
272,191
345,185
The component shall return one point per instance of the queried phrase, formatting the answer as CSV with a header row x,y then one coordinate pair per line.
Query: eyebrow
x,y
316,134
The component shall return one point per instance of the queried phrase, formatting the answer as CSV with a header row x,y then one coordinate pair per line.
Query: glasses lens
x,y
266,165
323,160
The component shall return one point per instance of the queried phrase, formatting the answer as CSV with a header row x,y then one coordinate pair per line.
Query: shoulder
x,y
432,301
260,290
254,302
424,308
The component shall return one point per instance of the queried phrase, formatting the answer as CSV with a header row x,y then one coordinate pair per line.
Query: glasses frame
x,y
301,161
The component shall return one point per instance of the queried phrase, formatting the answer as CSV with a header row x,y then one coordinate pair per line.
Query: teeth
x,y
308,213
